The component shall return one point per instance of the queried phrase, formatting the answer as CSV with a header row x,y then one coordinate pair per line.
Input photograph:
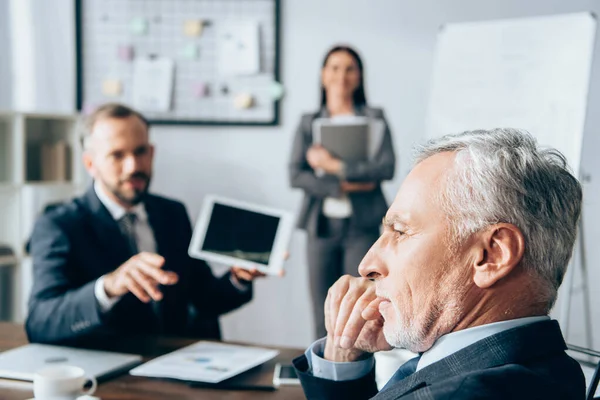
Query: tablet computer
x,y
246,235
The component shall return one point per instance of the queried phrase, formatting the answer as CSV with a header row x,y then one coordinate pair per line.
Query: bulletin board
x,y
190,62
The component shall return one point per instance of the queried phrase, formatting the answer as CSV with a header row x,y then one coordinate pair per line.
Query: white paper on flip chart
x,y
528,73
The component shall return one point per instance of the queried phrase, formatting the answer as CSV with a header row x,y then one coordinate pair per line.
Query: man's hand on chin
x,y
354,324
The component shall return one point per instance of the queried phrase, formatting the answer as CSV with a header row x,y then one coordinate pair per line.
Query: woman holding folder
x,y
343,203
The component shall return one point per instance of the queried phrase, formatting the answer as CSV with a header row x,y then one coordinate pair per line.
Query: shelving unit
x,y
39,164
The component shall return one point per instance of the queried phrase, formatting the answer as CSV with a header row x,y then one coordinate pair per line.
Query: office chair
x,y
593,384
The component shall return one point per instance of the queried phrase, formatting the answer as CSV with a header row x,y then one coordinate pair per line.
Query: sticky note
x,y
243,101
111,87
193,27
276,90
138,26
125,53
88,108
200,89
190,51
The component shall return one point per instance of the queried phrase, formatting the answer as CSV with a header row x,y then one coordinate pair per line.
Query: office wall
x,y
396,39
42,61
5,58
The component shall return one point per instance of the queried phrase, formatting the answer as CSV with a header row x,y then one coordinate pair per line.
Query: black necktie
x,y
406,369
127,225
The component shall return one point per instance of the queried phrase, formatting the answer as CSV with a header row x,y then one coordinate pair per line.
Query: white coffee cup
x,y
61,382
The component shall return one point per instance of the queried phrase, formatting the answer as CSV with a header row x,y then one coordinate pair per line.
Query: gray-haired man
x,y
475,247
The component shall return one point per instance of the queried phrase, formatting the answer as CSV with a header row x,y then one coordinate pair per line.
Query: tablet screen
x,y
240,233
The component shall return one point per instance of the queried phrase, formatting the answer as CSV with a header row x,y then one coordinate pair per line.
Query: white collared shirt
x,y
442,348
143,233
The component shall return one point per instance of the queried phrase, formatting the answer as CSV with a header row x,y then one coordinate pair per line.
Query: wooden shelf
x,y
48,149
8,261
6,157
39,165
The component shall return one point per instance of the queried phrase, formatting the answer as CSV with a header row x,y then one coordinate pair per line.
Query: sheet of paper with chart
x,y
205,362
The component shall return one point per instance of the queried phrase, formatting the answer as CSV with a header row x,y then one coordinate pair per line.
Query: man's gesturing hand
x,y
140,275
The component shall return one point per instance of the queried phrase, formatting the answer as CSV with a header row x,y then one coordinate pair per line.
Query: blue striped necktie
x,y
406,369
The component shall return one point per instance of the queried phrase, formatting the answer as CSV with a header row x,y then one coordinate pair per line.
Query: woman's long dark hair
x,y
358,97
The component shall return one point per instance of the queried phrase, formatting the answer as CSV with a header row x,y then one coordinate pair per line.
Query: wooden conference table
x,y
133,388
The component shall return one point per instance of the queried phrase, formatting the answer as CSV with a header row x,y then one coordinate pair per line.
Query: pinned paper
x,y
200,89
243,101
190,51
276,90
138,26
111,87
153,83
88,108
193,27
125,53
238,50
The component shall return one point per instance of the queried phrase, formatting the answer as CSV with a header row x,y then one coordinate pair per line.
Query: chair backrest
x,y
593,387
584,357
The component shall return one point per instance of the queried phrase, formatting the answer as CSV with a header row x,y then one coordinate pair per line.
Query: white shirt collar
x,y
455,341
116,210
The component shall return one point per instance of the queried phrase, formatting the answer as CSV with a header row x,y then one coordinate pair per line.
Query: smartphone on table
x,y
285,375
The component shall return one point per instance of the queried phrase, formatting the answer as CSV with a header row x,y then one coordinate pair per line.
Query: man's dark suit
x,y
75,244
528,362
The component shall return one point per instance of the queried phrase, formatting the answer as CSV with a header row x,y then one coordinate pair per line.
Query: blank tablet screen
x,y
239,233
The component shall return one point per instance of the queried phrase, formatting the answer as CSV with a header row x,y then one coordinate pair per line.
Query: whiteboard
x,y
527,73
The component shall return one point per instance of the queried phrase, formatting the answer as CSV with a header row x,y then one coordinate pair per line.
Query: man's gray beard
x,y
418,337
401,337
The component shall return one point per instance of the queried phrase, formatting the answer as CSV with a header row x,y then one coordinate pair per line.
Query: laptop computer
x,y
22,363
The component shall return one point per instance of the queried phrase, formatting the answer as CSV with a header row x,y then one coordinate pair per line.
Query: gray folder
x,y
347,140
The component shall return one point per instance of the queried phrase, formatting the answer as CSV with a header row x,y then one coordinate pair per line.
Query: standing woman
x,y
342,209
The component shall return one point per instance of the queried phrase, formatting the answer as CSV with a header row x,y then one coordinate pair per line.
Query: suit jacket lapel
x,y
105,228
511,346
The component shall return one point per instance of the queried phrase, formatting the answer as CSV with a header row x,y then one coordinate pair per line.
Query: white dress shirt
x,y
443,347
144,238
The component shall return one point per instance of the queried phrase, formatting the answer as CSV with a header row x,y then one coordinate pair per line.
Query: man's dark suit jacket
x,y
74,244
528,362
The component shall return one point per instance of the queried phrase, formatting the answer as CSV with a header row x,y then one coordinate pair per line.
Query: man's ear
x,y
500,249
88,162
